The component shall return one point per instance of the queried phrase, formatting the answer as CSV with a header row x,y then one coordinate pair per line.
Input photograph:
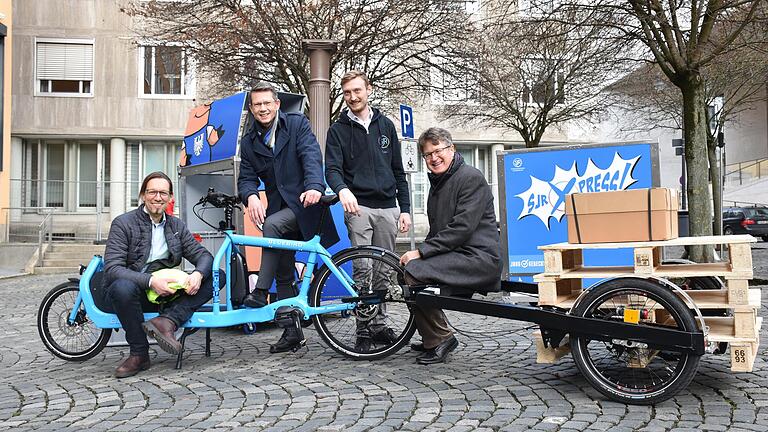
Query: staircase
x,y
67,257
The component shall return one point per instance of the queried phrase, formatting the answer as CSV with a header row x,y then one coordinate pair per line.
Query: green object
x,y
180,279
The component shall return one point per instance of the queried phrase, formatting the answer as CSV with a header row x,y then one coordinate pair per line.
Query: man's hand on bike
x,y
349,202
160,286
256,210
310,197
410,255
193,283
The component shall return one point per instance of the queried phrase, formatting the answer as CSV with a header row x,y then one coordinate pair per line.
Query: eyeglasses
x,y
437,152
265,104
163,194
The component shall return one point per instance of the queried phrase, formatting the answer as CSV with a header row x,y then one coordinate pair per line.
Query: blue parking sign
x,y
406,121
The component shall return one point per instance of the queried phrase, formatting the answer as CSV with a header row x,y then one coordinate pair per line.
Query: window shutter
x,y
62,61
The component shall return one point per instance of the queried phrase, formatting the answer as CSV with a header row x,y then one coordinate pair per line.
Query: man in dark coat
x,y
461,252
140,242
281,151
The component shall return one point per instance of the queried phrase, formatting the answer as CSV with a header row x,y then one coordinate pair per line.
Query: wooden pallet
x,y
561,285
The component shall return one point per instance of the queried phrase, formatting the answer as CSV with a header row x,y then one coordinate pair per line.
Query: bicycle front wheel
x,y
369,331
76,341
630,372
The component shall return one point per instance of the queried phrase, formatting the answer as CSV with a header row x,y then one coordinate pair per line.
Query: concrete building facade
x,y
95,109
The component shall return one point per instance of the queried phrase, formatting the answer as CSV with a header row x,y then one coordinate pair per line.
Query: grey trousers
x,y
277,264
375,227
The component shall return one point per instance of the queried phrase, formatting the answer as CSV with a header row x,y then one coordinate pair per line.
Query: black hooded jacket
x,y
369,164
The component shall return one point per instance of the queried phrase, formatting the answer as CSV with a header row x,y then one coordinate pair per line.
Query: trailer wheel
x,y
625,371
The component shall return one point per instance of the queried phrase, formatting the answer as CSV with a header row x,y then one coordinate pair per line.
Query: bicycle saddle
x,y
329,200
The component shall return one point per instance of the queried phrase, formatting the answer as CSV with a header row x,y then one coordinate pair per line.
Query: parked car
x,y
746,220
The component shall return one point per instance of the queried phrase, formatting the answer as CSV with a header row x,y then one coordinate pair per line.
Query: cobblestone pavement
x,y
490,383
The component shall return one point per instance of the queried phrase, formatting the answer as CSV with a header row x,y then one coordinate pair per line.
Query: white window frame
x,y
463,89
188,80
65,41
527,82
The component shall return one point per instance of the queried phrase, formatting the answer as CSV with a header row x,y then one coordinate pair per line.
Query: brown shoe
x,y
162,329
132,365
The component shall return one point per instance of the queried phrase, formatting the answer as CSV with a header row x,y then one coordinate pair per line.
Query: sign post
x,y
410,155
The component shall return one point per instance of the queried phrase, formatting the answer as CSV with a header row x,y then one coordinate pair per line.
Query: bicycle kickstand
x,y
187,331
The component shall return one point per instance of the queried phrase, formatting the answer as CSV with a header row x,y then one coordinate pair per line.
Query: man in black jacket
x,y
140,242
363,165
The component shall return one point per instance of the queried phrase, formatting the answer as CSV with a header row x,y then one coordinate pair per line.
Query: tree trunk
x,y
697,165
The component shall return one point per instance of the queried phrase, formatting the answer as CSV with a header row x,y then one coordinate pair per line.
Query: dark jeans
x,y
129,300
278,264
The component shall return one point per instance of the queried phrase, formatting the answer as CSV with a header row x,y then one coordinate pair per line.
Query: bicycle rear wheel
x,y
75,341
373,270
626,371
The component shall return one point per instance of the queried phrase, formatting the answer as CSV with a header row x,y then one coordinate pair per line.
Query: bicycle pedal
x,y
286,316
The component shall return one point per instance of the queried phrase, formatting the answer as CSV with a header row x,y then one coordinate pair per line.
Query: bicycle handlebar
x,y
219,199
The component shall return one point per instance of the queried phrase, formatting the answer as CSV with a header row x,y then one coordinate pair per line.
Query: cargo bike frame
x,y
633,339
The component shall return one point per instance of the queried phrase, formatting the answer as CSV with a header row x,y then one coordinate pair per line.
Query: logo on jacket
x,y
545,199
384,143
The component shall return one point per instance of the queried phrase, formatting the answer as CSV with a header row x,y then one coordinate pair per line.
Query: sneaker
x,y
385,335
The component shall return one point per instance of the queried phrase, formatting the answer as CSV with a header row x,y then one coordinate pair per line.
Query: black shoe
x,y
256,299
386,335
363,341
418,347
439,353
289,341
427,353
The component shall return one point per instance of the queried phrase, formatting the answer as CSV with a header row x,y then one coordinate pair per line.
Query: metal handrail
x,y
750,162
742,167
47,220
8,211
743,204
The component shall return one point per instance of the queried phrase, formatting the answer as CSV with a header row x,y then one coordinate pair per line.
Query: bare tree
x,y
704,49
733,83
237,42
683,38
538,68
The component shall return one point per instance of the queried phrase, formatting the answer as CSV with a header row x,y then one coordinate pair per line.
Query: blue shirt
x,y
159,248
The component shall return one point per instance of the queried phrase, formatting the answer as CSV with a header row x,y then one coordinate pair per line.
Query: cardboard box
x,y
622,216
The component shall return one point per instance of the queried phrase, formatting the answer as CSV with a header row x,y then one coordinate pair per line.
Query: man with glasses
x,y
461,253
140,242
364,166
281,151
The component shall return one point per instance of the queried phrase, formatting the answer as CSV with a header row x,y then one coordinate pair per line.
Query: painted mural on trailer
x,y
212,131
536,182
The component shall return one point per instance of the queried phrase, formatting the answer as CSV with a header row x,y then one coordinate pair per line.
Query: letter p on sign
x,y
406,121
